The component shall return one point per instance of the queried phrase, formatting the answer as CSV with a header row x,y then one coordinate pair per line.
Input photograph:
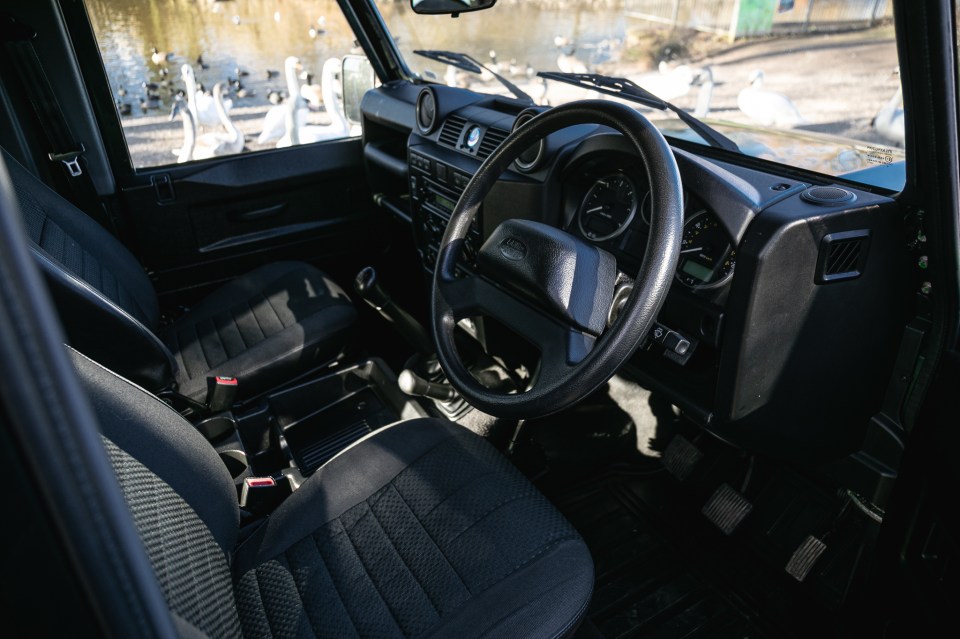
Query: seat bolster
x,y
157,437
97,326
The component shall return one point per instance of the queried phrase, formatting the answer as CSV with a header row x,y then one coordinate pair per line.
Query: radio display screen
x,y
444,203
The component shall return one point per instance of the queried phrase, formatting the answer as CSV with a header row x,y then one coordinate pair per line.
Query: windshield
x,y
807,83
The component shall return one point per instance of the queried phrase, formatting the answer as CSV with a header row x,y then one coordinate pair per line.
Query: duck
x,y
124,108
220,143
767,107
275,121
319,29
201,104
160,57
339,127
200,63
312,93
567,61
889,120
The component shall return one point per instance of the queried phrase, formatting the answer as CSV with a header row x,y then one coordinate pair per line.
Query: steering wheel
x,y
554,289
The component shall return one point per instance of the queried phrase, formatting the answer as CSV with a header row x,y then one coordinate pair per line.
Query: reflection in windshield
x,y
823,70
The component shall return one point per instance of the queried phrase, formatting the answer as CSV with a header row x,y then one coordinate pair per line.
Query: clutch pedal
x,y
681,457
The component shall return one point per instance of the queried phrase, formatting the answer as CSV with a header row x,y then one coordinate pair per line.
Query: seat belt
x,y
64,148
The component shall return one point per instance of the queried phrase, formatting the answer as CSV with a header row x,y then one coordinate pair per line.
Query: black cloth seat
x,y
264,327
420,530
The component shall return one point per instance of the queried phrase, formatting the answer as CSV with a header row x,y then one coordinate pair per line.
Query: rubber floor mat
x,y
646,586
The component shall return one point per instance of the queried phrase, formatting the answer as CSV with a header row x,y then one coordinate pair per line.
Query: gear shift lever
x,y
410,329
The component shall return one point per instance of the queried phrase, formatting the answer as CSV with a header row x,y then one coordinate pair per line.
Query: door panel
x,y
198,224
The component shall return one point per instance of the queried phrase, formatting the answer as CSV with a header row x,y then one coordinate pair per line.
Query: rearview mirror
x,y
455,7
358,78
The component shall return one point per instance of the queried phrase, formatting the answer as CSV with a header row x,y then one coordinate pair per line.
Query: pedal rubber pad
x,y
804,557
727,509
680,457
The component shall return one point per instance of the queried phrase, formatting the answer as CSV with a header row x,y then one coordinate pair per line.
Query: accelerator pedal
x,y
681,457
727,509
801,563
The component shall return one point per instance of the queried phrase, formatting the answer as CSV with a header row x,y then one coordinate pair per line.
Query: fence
x,y
740,18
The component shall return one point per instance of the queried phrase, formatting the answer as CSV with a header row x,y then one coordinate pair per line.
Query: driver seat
x,y
422,529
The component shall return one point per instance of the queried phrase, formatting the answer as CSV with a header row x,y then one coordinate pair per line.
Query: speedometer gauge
x,y
707,257
608,208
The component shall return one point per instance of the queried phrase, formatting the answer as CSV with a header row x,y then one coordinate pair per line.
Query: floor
x,y
663,569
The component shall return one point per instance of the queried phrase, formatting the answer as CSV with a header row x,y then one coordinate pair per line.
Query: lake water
x,y
257,35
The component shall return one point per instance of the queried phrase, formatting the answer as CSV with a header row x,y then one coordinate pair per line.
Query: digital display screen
x,y
444,203
697,270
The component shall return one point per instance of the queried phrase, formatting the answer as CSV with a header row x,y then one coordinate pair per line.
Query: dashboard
x,y
788,296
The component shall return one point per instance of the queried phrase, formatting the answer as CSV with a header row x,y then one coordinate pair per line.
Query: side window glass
x,y
198,80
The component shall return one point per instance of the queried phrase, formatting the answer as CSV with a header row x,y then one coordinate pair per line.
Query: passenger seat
x,y
265,327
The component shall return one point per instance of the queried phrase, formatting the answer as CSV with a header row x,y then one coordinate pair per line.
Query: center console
x,y
286,436
435,188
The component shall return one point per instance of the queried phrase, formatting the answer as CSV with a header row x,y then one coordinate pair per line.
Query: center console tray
x,y
315,420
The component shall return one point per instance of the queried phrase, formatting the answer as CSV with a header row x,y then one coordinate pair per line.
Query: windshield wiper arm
x,y
465,62
629,90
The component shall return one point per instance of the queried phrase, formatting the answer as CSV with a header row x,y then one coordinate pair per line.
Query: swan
x,y
338,128
210,145
766,107
275,121
185,152
202,106
666,83
889,120
705,95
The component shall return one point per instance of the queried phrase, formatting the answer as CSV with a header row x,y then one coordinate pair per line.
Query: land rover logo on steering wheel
x,y
513,249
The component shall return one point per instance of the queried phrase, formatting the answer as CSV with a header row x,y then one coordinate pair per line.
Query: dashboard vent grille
x,y
452,130
491,140
842,256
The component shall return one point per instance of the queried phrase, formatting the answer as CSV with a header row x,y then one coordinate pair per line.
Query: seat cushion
x,y
421,529
264,328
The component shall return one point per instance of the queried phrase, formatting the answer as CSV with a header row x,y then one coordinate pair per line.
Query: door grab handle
x,y
261,214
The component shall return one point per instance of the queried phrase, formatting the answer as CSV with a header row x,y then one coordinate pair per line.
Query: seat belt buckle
x,y
71,160
260,495
221,390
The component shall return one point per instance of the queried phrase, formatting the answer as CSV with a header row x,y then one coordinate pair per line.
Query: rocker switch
x,y
670,340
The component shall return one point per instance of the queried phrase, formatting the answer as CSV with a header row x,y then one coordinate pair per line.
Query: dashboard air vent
x,y
452,130
491,140
842,256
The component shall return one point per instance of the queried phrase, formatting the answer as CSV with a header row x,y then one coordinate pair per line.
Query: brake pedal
x,y
727,509
807,554
681,457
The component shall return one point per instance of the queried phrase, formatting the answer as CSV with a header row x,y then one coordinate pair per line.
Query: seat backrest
x,y
105,300
180,494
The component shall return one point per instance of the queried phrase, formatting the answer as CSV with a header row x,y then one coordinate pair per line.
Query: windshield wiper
x,y
628,90
465,62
